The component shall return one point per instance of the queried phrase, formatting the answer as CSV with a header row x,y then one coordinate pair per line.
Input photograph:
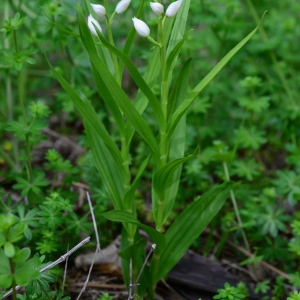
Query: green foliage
x,y
105,296
229,293
295,295
35,187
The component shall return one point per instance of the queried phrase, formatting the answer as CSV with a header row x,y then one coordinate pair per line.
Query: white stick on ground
x,y
58,261
98,248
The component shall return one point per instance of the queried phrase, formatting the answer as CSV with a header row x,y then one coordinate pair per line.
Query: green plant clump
x,y
176,116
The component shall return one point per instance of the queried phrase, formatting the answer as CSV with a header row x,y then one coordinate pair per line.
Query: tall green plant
x,y
166,149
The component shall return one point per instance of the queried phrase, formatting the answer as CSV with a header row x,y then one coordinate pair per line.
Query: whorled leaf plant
x,y
166,150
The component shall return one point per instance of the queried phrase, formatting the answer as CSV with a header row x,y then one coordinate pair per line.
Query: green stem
x,y
21,101
156,260
164,76
114,58
9,97
164,93
125,158
12,271
8,159
236,209
3,207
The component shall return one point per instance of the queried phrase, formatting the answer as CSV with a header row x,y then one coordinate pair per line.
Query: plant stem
x,y
12,271
236,209
164,76
114,58
9,97
8,159
21,101
156,260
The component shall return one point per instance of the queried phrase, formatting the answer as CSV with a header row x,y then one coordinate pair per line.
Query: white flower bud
x,y
92,21
157,8
141,27
99,10
122,6
173,8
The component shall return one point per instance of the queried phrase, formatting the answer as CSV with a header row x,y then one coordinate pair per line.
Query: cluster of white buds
x,y
143,29
100,11
140,26
171,11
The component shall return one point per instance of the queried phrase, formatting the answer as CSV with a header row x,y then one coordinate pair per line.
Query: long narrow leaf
x,y
126,217
173,55
179,25
138,79
162,178
177,143
108,169
189,225
195,92
109,101
128,201
89,115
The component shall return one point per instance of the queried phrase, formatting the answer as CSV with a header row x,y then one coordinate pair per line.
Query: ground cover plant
x,y
130,93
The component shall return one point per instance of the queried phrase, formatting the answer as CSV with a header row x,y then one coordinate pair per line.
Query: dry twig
x,y
98,248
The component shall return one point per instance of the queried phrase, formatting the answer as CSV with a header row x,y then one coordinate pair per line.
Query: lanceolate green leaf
x,y
89,115
173,55
189,225
179,25
156,106
128,201
177,143
109,101
195,92
106,165
162,178
126,217
116,91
